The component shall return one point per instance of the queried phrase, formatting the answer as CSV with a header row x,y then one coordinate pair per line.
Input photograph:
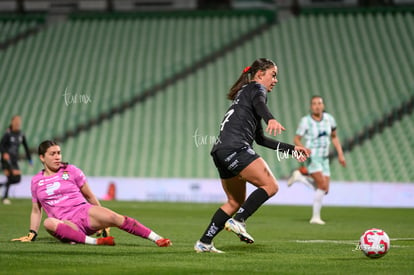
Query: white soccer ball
x,y
374,243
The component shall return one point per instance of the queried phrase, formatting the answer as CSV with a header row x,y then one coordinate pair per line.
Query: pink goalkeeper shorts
x,y
80,217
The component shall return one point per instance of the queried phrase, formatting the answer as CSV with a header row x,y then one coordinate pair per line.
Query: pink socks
x,y
132,226
66,233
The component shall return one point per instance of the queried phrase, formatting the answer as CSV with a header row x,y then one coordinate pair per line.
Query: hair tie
x,y
246,69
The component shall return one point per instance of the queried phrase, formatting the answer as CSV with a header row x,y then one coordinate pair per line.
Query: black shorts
x,y
231,162
11,164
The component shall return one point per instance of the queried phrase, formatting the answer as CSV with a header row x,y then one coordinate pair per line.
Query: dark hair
x,y
261,64
316,96
44,146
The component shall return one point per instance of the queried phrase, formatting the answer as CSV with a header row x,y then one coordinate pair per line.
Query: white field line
x,y
347,241
327,241
352,242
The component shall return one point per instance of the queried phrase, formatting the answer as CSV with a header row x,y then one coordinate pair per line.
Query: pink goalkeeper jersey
x,y
60,193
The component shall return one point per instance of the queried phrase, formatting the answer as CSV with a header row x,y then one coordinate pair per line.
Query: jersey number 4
x,y
226,118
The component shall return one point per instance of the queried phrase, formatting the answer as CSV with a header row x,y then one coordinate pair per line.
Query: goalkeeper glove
x,y
31,237
103,232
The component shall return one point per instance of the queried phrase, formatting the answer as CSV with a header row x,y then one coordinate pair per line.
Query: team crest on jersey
x,y
322,134
65,175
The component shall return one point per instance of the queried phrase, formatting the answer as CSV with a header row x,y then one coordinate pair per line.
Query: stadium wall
x,y
361,194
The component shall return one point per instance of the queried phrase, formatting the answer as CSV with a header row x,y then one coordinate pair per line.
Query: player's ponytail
x,y
261,64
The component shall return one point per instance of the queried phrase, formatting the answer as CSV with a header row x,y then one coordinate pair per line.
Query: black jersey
x,y
242,122
10,143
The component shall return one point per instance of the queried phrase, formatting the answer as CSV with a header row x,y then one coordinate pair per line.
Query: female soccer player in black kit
x,y
9,149
237,162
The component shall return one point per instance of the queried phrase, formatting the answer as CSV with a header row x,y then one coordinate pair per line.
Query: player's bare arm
x,y
337,144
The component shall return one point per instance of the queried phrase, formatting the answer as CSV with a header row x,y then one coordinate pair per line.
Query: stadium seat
x,y
360,63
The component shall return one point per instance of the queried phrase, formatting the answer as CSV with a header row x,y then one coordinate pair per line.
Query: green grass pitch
x,y
285,243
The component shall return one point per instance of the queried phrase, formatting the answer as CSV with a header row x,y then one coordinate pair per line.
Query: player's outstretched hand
x,y
31,237
274,127
103,232
301,153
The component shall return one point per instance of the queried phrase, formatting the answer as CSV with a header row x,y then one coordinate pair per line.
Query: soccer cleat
x,y
103,232
163,242
105,241
297,176
200,247
6,202
239,229
316,221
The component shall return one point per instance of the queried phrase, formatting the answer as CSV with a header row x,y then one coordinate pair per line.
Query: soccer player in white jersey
x,y
318,129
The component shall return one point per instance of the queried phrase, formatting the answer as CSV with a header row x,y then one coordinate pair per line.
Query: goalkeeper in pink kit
x,y
74,213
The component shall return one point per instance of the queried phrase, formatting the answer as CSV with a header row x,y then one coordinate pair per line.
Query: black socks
x,y
216,225
253,202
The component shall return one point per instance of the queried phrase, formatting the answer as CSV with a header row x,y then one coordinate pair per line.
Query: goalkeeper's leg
x,y
68,232
101,217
